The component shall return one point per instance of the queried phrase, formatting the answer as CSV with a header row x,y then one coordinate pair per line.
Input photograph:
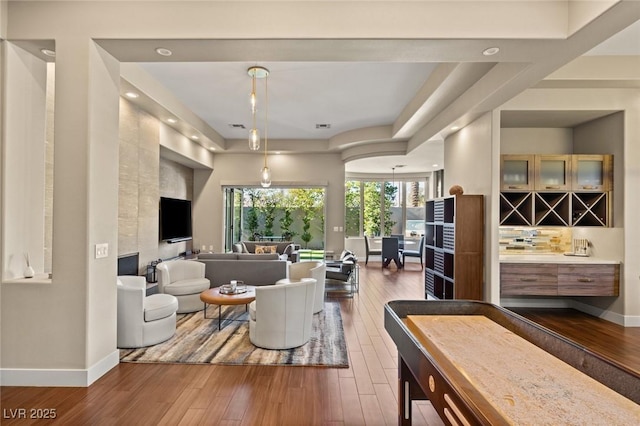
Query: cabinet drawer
x,y
588,280
528,279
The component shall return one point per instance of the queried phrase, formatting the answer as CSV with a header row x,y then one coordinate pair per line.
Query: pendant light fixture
x,y
254,136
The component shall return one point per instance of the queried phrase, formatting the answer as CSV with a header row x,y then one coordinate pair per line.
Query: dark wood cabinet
x,y
454,244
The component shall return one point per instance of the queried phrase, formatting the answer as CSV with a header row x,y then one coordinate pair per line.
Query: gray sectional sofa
x,y
253,269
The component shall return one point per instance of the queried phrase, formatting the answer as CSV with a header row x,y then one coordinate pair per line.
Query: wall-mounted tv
x,y
175,220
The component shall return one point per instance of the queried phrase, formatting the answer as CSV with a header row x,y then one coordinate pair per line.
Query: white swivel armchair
x,y
185,280
297,271
143,321
281,316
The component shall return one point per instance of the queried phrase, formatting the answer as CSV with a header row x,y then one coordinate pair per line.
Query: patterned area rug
x,y
198,341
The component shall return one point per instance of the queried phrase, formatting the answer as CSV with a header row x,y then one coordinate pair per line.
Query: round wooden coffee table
x,y
214,297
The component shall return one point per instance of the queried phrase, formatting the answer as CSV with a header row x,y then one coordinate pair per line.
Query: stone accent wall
x,y
176,181
144,177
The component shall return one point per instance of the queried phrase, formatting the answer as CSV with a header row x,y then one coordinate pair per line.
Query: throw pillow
x,y
266,249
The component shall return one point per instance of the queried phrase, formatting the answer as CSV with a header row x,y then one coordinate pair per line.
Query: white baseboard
x,y
59,377
614,317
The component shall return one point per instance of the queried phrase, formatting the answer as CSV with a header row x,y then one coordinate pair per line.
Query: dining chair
x,y
400,238
390,252
369,251
415,253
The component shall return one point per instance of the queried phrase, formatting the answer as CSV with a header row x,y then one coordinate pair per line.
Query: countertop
x,y
554,258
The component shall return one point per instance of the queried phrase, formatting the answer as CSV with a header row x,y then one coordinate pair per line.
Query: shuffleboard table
x,y
481,364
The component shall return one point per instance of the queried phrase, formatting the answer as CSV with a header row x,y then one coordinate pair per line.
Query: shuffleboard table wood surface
x,y
513,380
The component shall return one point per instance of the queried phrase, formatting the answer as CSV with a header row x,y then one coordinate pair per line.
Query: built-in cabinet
x,y
552,173
556,190
454,247
559,279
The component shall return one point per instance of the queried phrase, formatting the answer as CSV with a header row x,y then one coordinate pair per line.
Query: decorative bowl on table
x,y
233,288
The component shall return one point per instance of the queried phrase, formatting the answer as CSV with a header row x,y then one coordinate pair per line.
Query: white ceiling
x,y
415,100
344,95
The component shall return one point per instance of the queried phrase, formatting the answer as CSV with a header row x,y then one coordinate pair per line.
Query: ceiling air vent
x,y
323,126
237,126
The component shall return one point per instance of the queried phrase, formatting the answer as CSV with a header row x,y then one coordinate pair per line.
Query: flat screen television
x,y
175,220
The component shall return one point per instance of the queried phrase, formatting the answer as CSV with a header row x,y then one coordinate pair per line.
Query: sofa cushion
x,y
252,256
158,306
222,256
189,286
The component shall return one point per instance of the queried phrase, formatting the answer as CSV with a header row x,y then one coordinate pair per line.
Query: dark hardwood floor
x,y
364,393
615,342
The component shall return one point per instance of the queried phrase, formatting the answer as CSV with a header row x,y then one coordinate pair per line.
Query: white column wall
x,y
72,319
468,155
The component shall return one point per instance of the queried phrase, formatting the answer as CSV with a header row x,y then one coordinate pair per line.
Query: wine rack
x,y
555,209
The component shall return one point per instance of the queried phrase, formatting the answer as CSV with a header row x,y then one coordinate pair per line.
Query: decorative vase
x,y
29,272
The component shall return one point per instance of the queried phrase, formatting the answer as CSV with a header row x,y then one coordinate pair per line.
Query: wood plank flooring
x,y
618,343
153,394
363,394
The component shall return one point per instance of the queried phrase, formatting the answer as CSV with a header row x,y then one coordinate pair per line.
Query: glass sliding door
x,y
233,217
275,215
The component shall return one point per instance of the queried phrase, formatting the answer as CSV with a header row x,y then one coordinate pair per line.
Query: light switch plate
x,y
102,250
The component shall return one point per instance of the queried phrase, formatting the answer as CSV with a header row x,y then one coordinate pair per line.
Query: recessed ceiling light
x,y
195,137
434,165
172,120
212,149
49,52
162,51
455,127
278,152
131,95
490,51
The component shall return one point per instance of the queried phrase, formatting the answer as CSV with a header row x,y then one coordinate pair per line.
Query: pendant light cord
x,y
266,117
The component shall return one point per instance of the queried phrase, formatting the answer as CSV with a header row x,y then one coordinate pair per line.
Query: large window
x,y
275,214
377,207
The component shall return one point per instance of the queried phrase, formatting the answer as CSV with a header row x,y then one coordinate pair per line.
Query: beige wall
x,y
48,182
289,170
468,163
536,140
3,19
24,168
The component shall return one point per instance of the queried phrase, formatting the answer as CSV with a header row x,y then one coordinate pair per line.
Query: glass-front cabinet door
x,y
592,172
517,172
552,172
